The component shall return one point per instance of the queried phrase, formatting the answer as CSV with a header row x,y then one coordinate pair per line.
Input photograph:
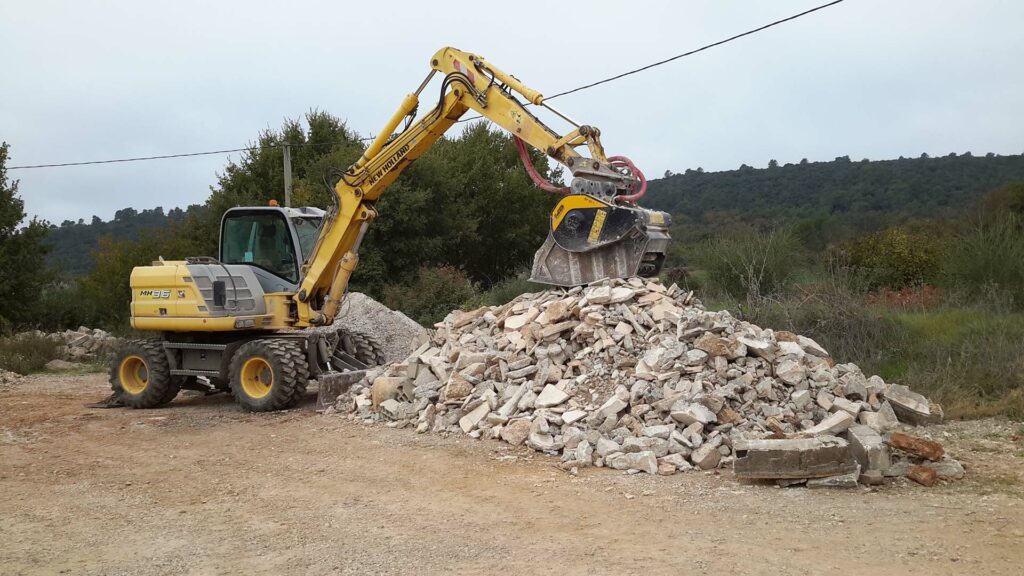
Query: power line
x,y
564,93
683,55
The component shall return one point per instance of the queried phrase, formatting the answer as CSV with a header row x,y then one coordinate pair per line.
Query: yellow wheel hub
x,y
257,377
133,374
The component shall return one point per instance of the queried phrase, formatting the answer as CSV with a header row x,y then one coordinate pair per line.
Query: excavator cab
x,y
271,238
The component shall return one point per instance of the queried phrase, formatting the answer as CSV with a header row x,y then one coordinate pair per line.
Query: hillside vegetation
x,y
912,268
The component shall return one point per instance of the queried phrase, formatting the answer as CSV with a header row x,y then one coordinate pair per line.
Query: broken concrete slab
x,y
848,480
818,457
867,446
550,396
911,407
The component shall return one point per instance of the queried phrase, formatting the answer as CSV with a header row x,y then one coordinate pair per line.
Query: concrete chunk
x,y
550,396
793,458
868,448
833,424
912,407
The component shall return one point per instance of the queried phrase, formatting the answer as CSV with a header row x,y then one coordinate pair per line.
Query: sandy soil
x,y
203,488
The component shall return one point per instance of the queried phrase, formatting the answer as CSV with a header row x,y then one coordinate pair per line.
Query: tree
x,y
773,163
22,252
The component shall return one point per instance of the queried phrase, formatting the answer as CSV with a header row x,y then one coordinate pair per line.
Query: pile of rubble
x,y
87,344
637,376
8,379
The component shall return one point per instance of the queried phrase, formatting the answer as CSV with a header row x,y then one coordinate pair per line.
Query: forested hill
x,y
848,196
74,242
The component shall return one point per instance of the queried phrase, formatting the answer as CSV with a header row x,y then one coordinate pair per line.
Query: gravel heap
x,y
396,332
634,375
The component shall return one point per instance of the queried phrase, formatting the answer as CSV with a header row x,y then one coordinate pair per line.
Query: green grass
x,y
27,353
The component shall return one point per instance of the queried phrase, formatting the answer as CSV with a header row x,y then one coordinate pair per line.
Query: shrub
x,y
749,265
895,258
989,257
432,295
28,352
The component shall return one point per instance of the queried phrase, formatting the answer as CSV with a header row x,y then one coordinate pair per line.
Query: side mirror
x,y
220,295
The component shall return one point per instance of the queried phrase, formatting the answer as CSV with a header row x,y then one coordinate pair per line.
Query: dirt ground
x,y
203,488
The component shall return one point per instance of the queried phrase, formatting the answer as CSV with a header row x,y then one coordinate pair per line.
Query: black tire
x,y
141,377
276,377
363,347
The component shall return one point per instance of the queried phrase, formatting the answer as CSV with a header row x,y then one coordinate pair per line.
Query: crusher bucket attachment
x,y
590,239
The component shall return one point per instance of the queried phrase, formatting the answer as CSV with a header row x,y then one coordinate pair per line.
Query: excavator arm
x,y
596,230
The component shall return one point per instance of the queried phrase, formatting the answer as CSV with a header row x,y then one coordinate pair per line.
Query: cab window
x,y
307,230
262,240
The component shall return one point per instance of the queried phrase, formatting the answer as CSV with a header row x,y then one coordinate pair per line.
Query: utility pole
x,y
287,176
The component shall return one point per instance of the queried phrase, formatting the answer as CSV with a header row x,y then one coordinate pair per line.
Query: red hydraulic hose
x,y
616,161
623,162
538,180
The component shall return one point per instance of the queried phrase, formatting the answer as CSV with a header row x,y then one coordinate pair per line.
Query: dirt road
x,y
203,488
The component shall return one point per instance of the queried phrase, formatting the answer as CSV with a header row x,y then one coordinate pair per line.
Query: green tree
x,y
22,253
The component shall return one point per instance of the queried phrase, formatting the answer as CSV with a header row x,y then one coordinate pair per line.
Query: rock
x,y
811,347
612,407
384,388
882,421
662,431
470,420
606,447
573,416
693,412
543,442
947,468
818,457
666,469
791,372
457,388
707,456
853,408
716,346
923,475
800,399
392,409
868,448
912,407
645,461
58,365
550,396
832,424
839,481
516,431
397,333
917,446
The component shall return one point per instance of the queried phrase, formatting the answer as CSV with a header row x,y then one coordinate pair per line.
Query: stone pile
x,y
634,375
87,344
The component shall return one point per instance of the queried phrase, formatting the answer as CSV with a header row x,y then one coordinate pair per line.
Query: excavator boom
x,y
597,231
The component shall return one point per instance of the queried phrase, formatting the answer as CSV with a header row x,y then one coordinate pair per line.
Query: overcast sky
x,y
866,78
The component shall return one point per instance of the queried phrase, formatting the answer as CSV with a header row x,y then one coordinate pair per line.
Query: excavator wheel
x,y
141,377
362,347
269,374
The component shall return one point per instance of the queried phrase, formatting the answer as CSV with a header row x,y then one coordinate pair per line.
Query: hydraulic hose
x,y
538,180
623,162
616,161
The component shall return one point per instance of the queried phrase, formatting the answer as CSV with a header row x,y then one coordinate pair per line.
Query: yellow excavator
x,y
257,320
